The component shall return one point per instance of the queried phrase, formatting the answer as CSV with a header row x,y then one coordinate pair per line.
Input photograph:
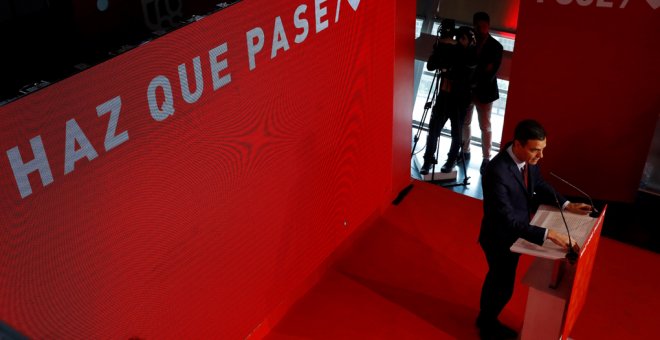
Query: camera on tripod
x,y
452,46
443,49
454,60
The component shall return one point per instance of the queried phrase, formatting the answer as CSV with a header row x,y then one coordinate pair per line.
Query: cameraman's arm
x,y
490,71
438,58
434,60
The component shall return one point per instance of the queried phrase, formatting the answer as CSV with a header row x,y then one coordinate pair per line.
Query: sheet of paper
x,y
550,217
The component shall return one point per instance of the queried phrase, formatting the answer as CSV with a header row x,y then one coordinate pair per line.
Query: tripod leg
x,y
431,144
461,121
428,104
418,133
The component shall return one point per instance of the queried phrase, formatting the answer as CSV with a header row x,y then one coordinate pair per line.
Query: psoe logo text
x,y
597,3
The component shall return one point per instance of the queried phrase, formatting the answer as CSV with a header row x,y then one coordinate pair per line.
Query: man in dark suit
x,y
513,188
485,91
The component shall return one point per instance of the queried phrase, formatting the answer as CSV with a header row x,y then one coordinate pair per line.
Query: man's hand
x,y
561,240
578,208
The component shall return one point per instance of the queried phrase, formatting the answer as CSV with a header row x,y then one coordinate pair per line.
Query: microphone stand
x,y
571,255
594,212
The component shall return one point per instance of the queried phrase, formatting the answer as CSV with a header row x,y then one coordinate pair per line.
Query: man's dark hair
x,y
528,129
466,31
481,16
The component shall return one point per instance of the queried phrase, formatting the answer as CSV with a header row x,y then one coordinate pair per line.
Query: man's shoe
x,y
506,332
495,330
479,323
484,164
488,331
486,335
425,168
448,166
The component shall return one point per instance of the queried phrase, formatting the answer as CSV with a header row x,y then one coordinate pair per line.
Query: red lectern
x,y
558,289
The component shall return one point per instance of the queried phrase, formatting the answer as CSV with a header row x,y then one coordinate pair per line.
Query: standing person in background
x,y
485,92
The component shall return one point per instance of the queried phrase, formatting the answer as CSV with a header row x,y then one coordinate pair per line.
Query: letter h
x,y
22,170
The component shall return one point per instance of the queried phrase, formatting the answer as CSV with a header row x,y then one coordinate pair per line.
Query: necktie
x,y
525,175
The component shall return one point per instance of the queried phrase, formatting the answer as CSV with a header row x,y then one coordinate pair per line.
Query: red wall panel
x,y
198,223
588,71
404,56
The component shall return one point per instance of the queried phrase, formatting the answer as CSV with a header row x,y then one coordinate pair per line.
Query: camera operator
x,y
456,60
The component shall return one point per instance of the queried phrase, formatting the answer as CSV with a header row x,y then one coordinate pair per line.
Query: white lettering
x,y
279,38
585,3
300,23
160,113
71,156
219,66
252,46
161,104
320,13
114,107
354,4
185,85
22,170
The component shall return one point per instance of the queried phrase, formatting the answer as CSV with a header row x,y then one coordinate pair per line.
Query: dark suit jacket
x,y
507,204
485,88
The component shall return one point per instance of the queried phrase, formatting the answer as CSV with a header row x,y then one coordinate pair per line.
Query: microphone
x,y
594,212
571,255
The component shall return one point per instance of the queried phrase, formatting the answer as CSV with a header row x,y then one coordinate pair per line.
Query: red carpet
x,y
417,273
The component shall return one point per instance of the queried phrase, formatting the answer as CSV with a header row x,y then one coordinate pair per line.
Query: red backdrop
x,y
197,224
402,100
588,71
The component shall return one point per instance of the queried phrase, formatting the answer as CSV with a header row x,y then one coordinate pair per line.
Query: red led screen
x,y
181,189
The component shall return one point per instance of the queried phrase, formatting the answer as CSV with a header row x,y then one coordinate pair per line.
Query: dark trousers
x,y
498,285
446,107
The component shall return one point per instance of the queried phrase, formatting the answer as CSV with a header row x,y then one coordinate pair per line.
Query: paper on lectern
x,y
549,217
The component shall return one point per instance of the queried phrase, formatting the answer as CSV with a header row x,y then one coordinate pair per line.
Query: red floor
x,y
417,273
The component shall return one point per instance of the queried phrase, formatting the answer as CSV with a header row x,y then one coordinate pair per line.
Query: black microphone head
x,y
594,213
572,256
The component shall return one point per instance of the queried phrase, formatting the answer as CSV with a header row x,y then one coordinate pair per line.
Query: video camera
x,y
447,29
445,50
444,47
